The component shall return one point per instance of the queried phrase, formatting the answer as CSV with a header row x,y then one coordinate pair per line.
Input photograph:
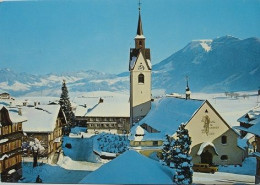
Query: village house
x,y
108,114
213,140
45,122
251,125
246,121
11,133
5,95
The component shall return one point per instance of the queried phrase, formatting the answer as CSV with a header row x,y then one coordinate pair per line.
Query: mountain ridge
x,y
213,65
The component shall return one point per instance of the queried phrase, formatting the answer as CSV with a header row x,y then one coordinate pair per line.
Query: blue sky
x,y
48,36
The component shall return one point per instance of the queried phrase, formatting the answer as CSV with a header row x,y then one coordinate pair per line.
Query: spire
x,y
139,28
187,87
188,92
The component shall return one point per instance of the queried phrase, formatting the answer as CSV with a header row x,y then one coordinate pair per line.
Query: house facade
x,y
108,114
45,123
11,133
213,140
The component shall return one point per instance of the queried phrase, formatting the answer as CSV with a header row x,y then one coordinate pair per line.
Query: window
x,y
140,43
224,139
224,157
155,143
140,78
19,126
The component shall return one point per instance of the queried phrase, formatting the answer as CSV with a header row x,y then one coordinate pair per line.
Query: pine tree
x,y
166,151
66,105
181,158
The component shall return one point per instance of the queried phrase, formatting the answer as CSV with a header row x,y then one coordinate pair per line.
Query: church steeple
x,y
188,92
139,28
140,68
139,39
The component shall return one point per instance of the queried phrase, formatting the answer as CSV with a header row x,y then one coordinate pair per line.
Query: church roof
x,y
134,54
168,113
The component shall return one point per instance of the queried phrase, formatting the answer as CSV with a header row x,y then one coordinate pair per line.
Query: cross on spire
x,y
139,5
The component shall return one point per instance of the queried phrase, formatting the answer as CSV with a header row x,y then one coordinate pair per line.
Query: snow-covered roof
x,y
85,105
242,143
3,140
113,105
138,133
132,62
255,129
131,168
13,114
252,117
111,109
139,37
204,145
168,113
41,118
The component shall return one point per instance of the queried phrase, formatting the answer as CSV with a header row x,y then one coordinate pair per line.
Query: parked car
x,y
200,167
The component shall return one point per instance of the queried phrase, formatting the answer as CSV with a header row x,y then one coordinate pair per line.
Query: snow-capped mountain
x,y
27,84
223,64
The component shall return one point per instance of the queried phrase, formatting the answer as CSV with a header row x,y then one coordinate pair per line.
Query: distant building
x,y
213,140
5,96
45,122
108,114
11,133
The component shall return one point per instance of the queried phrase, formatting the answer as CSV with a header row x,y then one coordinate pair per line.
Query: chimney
x,y
85,105
35,104
20,111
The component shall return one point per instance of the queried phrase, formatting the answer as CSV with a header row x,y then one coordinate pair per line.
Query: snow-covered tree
x,y
181,158
66,105
166,151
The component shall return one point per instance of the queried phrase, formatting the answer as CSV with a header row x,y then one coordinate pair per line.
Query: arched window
x,y
224,157
140,43
224,139
140,78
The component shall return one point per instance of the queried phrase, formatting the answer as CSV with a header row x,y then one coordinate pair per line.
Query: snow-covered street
x,y
222,178
51,174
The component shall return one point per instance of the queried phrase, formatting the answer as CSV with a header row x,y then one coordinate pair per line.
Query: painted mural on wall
x,y
208,126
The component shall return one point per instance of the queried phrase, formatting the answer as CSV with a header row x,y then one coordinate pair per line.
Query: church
x,y
213,140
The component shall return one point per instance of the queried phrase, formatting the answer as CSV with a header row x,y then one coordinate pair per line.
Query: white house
x,y
213,140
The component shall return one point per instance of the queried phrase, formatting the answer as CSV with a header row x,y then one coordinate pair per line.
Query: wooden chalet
x,y
11,133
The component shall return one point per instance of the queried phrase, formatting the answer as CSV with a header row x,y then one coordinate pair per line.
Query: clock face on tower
x,y
140,67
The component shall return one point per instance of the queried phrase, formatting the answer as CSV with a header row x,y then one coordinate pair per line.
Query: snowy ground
x,y
231,108
222,178
248,167
52,174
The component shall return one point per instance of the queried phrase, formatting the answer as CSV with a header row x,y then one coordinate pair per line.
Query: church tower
x,y
140,76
